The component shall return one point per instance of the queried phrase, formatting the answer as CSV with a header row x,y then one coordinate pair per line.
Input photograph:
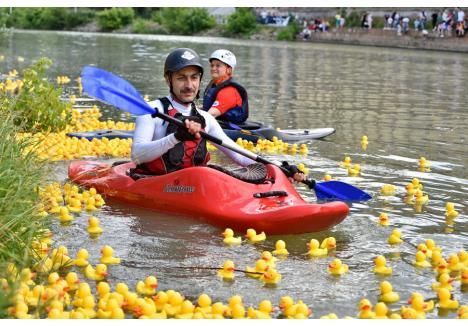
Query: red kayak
x,y
217,198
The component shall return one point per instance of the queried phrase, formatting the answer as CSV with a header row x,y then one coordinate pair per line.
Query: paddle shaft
x,y
241,151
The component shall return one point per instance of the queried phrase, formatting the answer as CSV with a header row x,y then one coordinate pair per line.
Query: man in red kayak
x,y
159,147
224,98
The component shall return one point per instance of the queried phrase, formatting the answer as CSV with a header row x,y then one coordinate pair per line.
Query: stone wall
x,y
389,38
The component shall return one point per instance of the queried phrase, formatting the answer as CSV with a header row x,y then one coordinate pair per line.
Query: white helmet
x,y
225,56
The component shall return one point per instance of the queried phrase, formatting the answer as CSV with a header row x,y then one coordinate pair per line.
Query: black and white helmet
x,y
181,58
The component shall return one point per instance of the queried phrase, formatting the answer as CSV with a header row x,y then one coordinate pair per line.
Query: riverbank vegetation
x,y
32,104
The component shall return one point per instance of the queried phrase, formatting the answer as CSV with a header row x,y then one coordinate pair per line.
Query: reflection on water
x,y
409,103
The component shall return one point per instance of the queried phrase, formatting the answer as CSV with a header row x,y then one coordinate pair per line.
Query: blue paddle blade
x,y
114,90
329,190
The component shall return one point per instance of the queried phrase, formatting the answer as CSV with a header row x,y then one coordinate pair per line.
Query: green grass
x,y
20,177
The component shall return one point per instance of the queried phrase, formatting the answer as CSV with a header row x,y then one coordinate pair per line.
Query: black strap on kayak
x,y
254,173
276,193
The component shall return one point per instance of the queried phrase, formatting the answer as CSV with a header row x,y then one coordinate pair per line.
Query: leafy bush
x,y
49,18
378,22
114,18
288,33
185,21
37,106
143,26
354,19
242,22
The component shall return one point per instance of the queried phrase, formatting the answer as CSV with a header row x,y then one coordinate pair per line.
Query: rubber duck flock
x,y
63,294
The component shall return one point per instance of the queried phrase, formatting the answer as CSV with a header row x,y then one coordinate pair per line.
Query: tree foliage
x,y
185,21
242,22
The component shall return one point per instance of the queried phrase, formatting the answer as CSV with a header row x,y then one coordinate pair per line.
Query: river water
x,y
409,103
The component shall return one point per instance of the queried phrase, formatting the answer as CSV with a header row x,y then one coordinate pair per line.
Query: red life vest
x,y
183,155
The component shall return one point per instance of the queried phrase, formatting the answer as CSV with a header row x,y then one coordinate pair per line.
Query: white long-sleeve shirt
x,y
150,141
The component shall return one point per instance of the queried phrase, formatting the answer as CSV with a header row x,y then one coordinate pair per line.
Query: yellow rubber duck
x,y
365,310
454,264
148,287
90,204
388,190
381,311
280,249
428,305
364,142
271,276
227,272
238,311
107,258
450,210
463,257
81,259
20,311
103,290
431,245
229,238
442,266
74,205
445,281
314,249
261,266
264,309
301,167
302,310
420,260
422,247
64,215
394,237
387,294
175,303
161,300
424,165
287,306
87,308
72,281
327,177
27,276
355,170
444,299
464,276
252,236
380,266
329,243
336,267
418,308
268,258
93,226
186,310
329,316
420,198
98,274
410,190
204,304
346,163
218,311
417,185
462,313
383,219
303,149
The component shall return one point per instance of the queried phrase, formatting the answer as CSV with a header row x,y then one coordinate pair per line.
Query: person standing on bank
x,y
224,98
160,148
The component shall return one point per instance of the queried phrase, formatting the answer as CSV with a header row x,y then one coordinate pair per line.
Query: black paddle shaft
x,y
213,139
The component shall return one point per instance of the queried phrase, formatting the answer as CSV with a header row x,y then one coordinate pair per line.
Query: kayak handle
x,y
276,193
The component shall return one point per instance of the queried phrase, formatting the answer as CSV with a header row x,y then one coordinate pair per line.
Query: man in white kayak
x,y
159,147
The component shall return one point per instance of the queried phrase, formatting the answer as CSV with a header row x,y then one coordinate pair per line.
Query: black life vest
x,y
237,114
183,155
